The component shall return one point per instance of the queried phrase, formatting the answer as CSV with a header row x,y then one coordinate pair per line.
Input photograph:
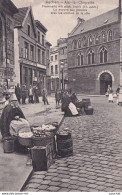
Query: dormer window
x,y
28,30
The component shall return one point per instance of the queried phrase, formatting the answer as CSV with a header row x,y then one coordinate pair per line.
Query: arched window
x,y
104,37
80,59
79,44
90,57
110,35
84,41
74,45
103,55
90,40
97,39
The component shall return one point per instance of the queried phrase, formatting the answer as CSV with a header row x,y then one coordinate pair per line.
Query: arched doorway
x,y
105,80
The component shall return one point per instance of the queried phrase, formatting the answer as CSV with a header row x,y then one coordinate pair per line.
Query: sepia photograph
x,y
60,96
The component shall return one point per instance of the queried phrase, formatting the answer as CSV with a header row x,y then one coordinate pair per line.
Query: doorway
x,y
105,81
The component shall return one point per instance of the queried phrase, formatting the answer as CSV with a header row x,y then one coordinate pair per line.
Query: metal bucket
x,y
8,145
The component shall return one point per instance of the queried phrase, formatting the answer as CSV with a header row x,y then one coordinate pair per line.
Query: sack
x,y
19,125
73,109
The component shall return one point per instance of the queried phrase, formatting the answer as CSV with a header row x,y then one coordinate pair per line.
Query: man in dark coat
x,y
18,92
9,113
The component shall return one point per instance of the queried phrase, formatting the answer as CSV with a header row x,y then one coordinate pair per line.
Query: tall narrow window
x,y
97,39
79,59
32,53
104,37
90,40
55,57
26,50
110,35
51,69
43,40
56,69
28,30
103,55
38,37
43,57
79,43
51,58
39,56
90,57
74,45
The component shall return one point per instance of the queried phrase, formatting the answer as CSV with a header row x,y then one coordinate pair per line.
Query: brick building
x,y
7,10
94,53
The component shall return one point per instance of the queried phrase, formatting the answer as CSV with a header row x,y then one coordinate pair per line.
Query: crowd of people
x,y
112,95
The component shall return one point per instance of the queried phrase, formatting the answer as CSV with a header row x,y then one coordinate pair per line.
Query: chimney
x,y
80,20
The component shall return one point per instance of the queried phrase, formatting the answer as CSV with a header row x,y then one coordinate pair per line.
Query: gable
x,y
29,21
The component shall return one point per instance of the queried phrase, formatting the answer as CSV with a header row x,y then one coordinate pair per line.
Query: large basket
x,y
28,142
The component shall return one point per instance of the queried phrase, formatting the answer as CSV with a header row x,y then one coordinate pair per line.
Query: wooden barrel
x,y
64,144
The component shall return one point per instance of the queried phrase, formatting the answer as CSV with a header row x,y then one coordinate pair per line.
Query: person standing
x,y
57,97
36,94
120,96
44,96
23,94
31,94
110,97
18,92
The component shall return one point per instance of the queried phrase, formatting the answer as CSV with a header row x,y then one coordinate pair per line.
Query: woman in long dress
x,y
120,96
110,97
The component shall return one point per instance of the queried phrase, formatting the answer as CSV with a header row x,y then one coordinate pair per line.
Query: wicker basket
x,y
25,141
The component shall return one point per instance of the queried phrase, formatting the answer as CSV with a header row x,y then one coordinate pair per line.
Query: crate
x,y
42,157
89,111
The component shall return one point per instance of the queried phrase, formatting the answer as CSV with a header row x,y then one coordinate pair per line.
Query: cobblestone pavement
x,y
96,164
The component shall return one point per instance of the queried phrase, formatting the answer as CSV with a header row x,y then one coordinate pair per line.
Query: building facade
x,y
54,69
41,55
48,77
7,10
25,47
63,65
30,46
94,53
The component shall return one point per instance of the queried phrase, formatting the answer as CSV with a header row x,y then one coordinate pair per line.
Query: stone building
x,y
95,53
7,10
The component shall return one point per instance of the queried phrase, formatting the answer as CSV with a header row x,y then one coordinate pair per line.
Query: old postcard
x,y
60,96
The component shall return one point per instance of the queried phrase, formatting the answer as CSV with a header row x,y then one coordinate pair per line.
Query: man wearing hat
x,y
10,112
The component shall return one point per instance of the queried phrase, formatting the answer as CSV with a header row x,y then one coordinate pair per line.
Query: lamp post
x,y
74,84
62,74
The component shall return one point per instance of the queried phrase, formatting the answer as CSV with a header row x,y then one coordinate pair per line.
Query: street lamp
x,y
73,84
62,72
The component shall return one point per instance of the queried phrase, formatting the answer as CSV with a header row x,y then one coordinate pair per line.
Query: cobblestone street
x,y
96,164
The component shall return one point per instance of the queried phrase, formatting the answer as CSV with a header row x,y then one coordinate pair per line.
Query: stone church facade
x,y
94,53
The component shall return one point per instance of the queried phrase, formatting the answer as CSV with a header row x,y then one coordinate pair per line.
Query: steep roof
x,y
96,22
10,5
20,16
